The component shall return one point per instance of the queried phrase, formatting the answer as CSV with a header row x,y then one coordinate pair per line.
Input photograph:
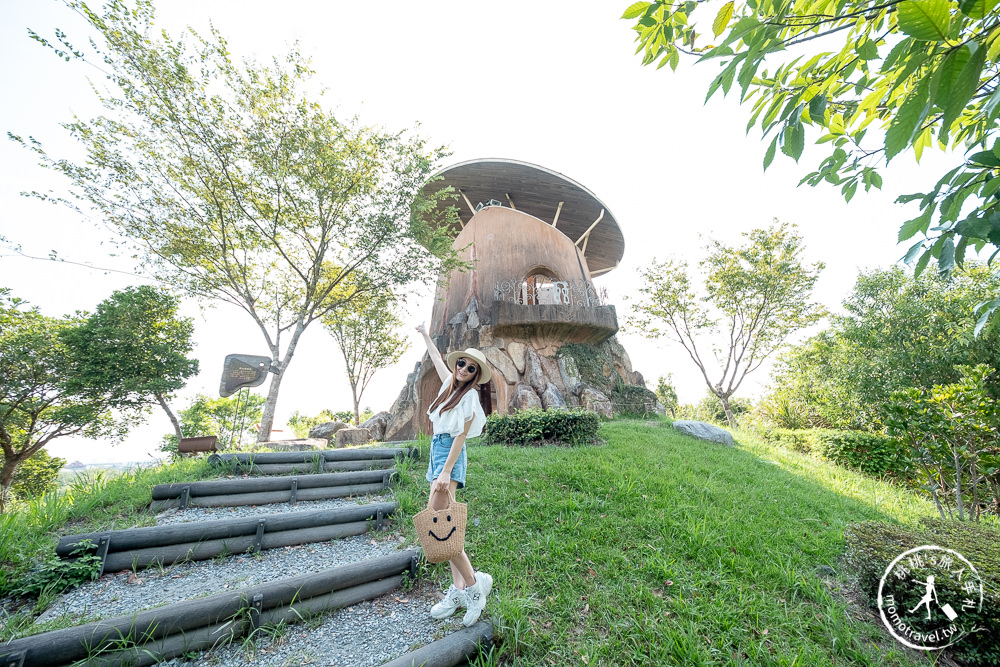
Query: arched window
x,y
541,287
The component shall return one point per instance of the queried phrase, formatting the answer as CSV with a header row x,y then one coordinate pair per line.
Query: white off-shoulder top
x,y
453,421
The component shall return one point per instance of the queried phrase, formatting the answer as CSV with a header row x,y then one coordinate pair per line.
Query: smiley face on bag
x,y
442,525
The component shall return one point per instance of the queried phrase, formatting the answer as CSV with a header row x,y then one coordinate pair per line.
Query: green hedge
x,y
538,427
872,545
871,453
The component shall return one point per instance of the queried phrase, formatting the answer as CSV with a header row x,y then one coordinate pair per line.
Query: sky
x,y
553,83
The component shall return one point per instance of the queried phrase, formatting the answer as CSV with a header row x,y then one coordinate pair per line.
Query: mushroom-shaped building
x,y
535,240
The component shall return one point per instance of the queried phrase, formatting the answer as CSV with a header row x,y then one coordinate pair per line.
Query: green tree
x,y
39,402
36,476
231,183
760,294
898,332
136,346
666,394
367,333
881,78
233,419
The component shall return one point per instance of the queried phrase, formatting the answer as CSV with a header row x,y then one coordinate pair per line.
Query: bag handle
x,y
451,498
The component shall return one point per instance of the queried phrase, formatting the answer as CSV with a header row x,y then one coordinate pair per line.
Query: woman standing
x,y
456,415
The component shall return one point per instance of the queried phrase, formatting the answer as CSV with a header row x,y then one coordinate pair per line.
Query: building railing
x,y
580,293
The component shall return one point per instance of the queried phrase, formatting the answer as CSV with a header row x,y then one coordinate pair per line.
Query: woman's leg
x,y
461,567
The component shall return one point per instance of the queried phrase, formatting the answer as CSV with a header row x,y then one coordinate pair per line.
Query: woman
x,y
456,415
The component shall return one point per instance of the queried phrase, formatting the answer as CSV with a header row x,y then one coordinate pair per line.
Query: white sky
x,y
553,83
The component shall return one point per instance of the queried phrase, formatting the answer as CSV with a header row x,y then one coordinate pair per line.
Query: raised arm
x,y
436,358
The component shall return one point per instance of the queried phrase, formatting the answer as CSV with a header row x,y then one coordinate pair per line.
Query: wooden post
x,y
555,220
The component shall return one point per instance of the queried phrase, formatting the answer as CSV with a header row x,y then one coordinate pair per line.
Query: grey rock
x,y
377,424
534,372
348,437
593,399
552,398
570,374
501,363
472,314
459,318
326,430
515,351
525,398
704,431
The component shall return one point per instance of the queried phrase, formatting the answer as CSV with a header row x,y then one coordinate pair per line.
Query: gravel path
x,y
369,633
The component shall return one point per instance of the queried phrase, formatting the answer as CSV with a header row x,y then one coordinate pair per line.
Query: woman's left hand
x,y
442,483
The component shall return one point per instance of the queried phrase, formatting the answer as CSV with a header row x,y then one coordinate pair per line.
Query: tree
x,y
135,345
666,394
881,78
232,184
232,419
38,402
761,292
898,332
367,333
37,476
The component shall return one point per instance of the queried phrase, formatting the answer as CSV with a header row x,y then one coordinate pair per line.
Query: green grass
x,y
658,549
103,500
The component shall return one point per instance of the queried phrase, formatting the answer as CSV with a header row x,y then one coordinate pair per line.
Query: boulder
x,y
472,314
350,436
704,431
326,430
377,425
570,373
534,372
552,398
593,399
501,362
524,398
401,425
515,351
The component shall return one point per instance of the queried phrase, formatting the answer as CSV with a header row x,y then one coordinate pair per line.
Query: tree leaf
x,y
636,10
976,9
987,158
793,140
975,227
994,44
769,155
723,17
926,20
907,120
964,88
817,108
922,263
918,224
946,258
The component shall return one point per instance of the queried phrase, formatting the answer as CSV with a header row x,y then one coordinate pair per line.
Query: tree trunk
x,y
173,417
267,417
6,478
730,417
354,395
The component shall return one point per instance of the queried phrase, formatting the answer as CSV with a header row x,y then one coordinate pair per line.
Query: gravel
x,y
369,633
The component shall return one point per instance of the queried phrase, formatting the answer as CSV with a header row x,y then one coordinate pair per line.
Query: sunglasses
x,y
461,363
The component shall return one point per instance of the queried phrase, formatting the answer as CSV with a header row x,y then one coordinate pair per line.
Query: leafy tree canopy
x,y
234,419
874,79
231,182
899,332
754,297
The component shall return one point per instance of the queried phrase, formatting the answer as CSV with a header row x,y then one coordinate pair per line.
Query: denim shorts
x,y
440,447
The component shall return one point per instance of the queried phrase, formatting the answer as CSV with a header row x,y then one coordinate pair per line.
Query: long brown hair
x,y
455,393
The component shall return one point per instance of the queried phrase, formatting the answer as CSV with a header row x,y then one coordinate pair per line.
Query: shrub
x,y
55,575
872,545
871,453
539,427
709,409
37,475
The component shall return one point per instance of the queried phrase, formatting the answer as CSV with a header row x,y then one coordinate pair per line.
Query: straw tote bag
x,y
442,532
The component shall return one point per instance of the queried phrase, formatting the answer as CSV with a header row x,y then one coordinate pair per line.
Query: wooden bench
x,y
204,443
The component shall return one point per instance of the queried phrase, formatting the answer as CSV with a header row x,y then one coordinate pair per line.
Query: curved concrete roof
x,y
537,191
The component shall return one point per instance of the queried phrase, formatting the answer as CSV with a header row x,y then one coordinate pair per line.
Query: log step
x,y
201,540
327,455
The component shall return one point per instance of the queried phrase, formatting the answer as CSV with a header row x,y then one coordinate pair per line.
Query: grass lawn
x,y
658,549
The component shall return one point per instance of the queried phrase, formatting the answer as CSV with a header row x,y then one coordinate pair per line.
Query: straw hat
x,y
472,353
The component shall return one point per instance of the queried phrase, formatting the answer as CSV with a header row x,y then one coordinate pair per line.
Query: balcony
x,y
570,311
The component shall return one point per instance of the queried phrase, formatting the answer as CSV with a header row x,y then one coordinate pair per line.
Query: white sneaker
x,y
476,594
453,599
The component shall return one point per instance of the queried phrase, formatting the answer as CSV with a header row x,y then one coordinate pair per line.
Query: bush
x,y
36,476
871,453
55,575
709,409
540,427
872,545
